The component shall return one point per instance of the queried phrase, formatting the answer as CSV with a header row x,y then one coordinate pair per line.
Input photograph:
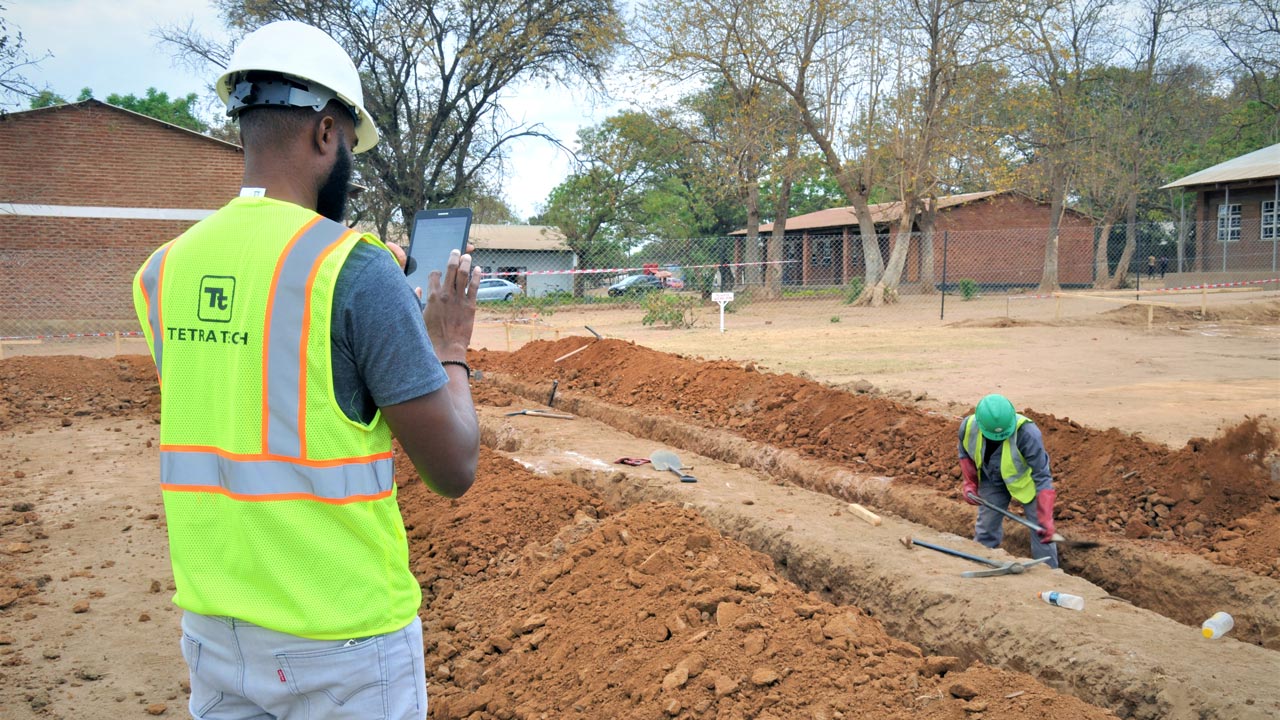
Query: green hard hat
x,y
996,417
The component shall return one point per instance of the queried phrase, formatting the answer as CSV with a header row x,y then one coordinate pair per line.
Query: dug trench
x,y
1133,661
541,598
1184,533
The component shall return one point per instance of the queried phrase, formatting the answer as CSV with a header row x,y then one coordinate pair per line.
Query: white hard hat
x,y
314,67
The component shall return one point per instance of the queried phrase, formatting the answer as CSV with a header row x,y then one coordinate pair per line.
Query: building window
x,y
1228,223
1270,220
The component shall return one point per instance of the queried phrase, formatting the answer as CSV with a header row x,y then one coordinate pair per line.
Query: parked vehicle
x,y
635,285
497,289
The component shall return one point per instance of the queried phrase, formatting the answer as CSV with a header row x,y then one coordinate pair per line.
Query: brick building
x,y
87,191
995,238
1237,213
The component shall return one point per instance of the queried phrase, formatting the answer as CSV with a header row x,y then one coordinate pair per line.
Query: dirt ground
x,y
542,600
1097,363
545,599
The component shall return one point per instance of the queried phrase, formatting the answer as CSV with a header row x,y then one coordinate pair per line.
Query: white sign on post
x,y
722,299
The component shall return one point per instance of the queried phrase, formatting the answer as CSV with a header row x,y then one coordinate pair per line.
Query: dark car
x,y
635,285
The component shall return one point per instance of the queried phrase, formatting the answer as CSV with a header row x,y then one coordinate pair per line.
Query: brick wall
x,y
1001,240
74,274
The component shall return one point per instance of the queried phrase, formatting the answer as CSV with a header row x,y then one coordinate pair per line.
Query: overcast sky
x,y
107,45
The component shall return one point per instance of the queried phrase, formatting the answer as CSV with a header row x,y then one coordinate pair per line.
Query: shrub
x,y
669,309
853,291
968,289
835,318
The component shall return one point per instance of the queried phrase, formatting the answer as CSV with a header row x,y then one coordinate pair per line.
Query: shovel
x,y
1057,538
667,460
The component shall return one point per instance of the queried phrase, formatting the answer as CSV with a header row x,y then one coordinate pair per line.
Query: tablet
x,y
435,233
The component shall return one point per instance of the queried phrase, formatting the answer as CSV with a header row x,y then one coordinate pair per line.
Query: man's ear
x,y
326,135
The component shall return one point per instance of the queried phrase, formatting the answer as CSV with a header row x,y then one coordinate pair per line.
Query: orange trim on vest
x,y
304,341
252,457
266,324
215,490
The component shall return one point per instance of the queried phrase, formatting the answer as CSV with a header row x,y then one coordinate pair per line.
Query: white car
x,y
497,289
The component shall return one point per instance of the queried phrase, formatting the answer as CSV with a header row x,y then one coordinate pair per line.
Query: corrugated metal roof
x,y
1257,165
880,213
517,237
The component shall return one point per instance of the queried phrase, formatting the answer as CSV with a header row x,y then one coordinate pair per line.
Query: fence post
x,y
942,313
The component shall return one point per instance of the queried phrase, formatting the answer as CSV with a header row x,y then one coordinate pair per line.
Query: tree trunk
x,y
781,209
751,253
901,246
1101,265
1130,244
873,262
927,217
1057,205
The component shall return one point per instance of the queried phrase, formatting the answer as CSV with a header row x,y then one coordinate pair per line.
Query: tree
x,y
434,74
744,125
178,111
14,62
1061,44
826,57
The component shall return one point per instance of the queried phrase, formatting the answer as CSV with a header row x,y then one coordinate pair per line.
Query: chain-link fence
x,y
674,282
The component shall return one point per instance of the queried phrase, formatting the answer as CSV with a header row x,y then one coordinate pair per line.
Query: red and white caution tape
x,y
618,271
1206,286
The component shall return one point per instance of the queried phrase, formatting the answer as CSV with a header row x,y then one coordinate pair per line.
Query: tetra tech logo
x,y
217,295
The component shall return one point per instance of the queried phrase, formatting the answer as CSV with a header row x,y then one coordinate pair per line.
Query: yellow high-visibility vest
x,y
281,509
1013,467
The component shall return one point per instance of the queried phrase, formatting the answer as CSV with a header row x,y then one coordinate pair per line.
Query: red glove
x,y
970,485
1044,514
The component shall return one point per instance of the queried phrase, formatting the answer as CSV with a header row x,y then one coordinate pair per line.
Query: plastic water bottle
x,y
1217,626
1061,599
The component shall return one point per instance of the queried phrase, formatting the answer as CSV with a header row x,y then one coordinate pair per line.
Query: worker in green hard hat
x,y
1002,458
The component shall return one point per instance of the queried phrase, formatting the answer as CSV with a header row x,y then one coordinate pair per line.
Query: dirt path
x,y
1138,663
99,640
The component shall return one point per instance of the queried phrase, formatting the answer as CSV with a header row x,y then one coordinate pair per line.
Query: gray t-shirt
x,y
380,349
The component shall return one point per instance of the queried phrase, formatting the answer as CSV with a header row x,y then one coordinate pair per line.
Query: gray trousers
x,y
240,671
990,528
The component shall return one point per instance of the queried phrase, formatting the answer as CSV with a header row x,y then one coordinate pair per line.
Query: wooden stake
x,y
865,514
1151,311
1204,299
508,326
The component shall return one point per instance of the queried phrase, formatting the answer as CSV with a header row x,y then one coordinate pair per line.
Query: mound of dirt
x,y
1246,313
541,604
67,386
1212,496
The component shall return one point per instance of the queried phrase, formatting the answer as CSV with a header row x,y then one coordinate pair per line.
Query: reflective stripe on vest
x,y
1014,470
150,278
256,480
288,319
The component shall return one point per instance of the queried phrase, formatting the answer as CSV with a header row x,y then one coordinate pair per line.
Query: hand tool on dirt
x,y
1012,567
552,400
865,514
593,332
667,460
1057,537
541,413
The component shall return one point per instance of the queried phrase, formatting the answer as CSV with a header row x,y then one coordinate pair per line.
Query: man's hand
x,y
451,307
969,486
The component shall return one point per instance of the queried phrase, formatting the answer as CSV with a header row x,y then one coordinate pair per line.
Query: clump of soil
x,y
541,603
70,386
1215,497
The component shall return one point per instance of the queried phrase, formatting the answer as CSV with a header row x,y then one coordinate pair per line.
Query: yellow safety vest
x,y
281,510
1013,467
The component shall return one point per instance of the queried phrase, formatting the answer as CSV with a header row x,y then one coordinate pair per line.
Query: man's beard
x,y
331,200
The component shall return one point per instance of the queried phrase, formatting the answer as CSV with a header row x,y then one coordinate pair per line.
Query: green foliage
x,y
815,292
853,290
669,309
835,318
178,111
47,98
968,288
